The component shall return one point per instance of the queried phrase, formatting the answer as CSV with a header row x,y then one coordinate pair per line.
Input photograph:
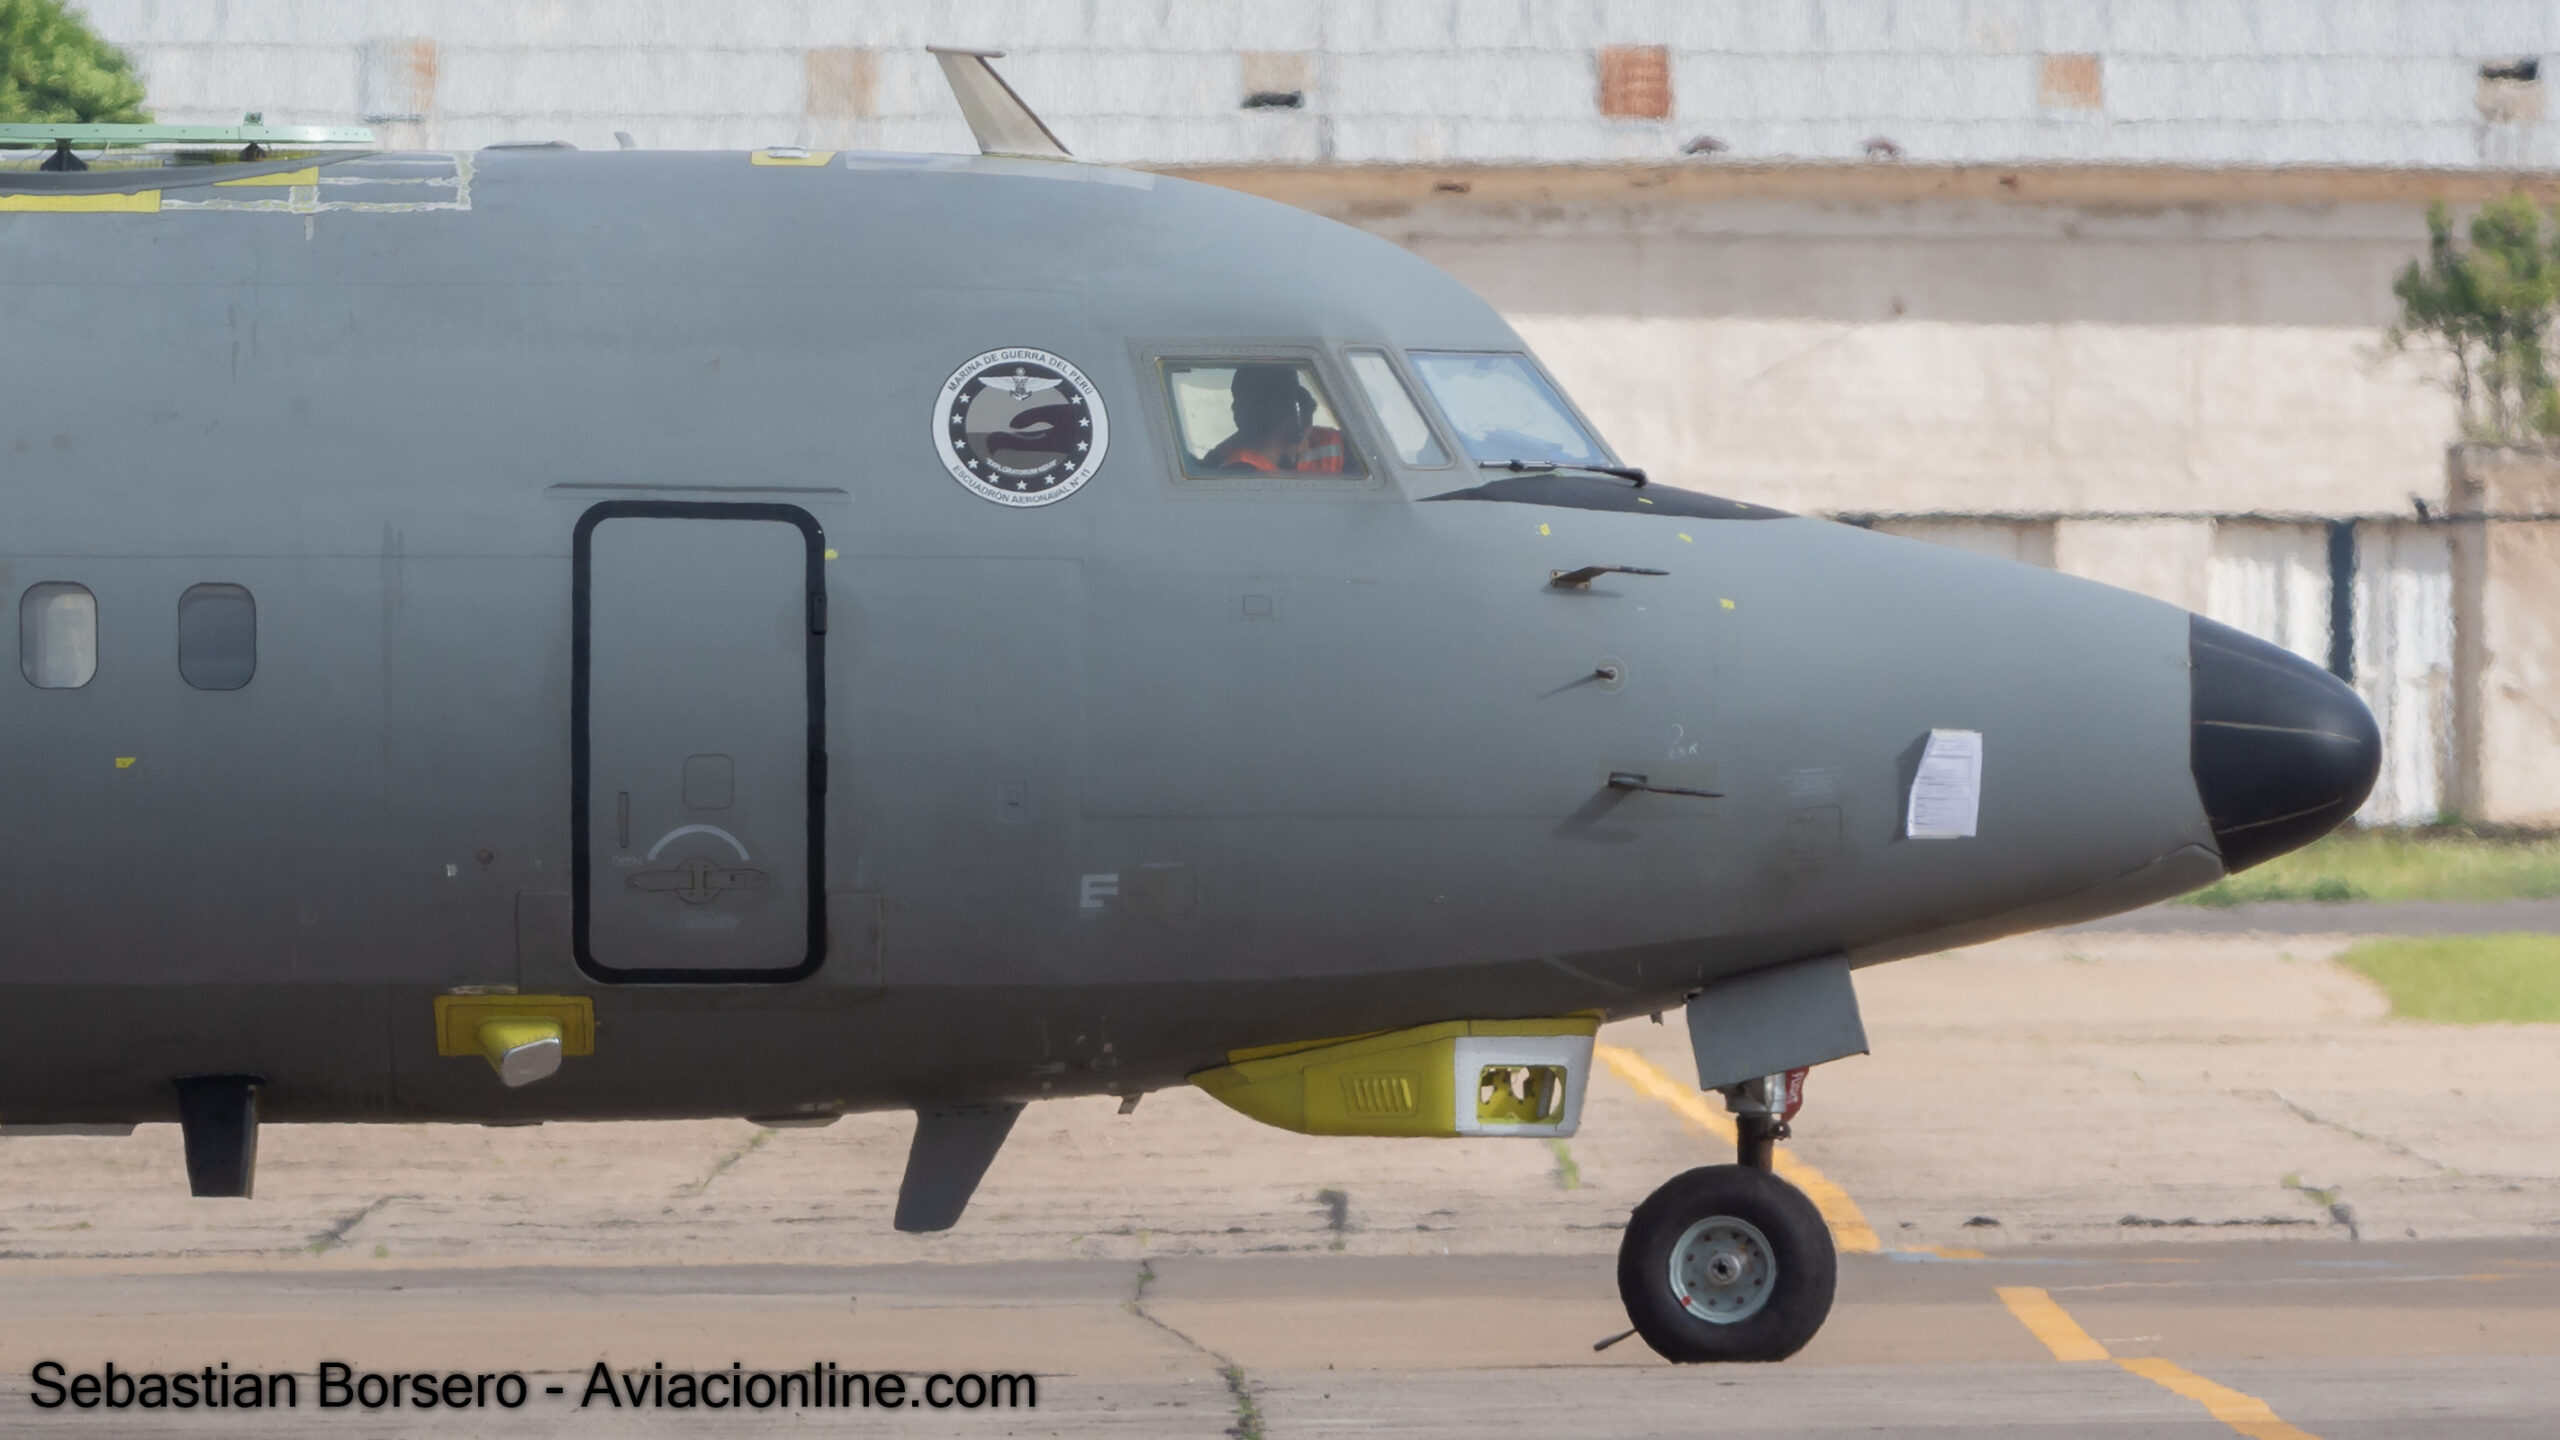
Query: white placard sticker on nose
x,y
1946,793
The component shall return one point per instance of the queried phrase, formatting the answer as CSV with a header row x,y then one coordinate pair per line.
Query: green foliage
x,y
54,67
1568,1171
2448,864
2489,306
2466,979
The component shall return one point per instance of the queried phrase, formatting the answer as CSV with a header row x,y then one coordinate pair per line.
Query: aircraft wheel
x,y
1726,1263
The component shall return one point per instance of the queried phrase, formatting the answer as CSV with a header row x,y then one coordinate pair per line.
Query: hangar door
x,y
698,721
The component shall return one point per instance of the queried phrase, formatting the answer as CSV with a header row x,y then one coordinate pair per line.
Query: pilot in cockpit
x,y
1276,431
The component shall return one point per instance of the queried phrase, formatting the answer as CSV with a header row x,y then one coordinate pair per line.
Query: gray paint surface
x,y
1774,1020
1115,785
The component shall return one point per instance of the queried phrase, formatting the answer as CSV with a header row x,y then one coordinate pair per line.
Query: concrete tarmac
x,y
2257,1204
2328,1338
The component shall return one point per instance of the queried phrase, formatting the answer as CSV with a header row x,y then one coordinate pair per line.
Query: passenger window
x,y
1408,434
1241,419
217,637
58,635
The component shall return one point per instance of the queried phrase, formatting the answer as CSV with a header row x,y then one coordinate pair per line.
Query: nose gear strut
x,y
1761,1109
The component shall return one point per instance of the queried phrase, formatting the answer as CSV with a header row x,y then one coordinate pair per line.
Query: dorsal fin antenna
x,y
996,116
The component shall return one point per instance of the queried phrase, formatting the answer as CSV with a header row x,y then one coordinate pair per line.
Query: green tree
x,y
2489,306
53,67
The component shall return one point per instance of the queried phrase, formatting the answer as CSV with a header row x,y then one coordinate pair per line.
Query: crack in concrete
x,y
2305,1112
721,1166
336,1234
1248,1424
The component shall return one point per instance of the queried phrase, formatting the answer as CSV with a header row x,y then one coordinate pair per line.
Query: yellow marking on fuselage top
x,y
1849,1228
2049,1322
787,156
1685,540
125,762
308,175
1726,604
1543,530
131,202
831,554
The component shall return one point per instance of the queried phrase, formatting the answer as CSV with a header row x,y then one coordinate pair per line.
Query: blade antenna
x,y
1002,124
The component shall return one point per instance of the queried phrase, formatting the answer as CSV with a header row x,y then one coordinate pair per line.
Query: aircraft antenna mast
x,y
1002,124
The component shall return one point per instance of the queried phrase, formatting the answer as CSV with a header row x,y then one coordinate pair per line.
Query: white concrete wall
x,y
2029,542
1941,417
2505,542
1915,356
2212,82
2272,580
2404,666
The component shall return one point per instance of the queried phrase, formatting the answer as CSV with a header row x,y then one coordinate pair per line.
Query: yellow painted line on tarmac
x,y
1945,1252
1849,1228
2245,1413
2049,1322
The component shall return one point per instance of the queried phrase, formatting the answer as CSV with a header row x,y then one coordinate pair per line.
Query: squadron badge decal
x,y
1020,427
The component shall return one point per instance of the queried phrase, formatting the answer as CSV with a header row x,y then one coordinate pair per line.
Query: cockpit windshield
x,y
1503,409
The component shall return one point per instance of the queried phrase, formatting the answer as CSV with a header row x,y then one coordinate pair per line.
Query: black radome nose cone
x,y
2282,750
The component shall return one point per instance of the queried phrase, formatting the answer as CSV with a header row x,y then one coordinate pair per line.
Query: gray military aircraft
x,y
532,635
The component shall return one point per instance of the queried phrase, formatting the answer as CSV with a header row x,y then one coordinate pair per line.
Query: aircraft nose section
x,y
2281,750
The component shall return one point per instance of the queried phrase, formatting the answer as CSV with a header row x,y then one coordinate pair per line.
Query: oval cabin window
x,y
58,635
217,637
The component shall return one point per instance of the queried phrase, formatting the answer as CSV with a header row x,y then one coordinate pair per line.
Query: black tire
x,y
1797,1296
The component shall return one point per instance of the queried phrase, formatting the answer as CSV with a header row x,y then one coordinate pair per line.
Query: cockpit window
x,y
1407,432
1503,409
1244,418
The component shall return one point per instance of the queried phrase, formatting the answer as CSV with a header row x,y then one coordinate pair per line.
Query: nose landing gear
x,y
1729,1262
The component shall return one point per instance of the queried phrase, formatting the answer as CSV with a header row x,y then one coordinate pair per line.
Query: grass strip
x,y
2465,979
2448,864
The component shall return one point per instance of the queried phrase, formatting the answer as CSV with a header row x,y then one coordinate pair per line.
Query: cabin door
x,y
697,713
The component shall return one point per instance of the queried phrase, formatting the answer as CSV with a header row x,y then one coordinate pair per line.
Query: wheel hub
x,y
1723,1269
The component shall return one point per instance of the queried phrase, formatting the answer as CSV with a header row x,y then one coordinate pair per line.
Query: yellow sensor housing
x,y
1459,1077
523,1037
